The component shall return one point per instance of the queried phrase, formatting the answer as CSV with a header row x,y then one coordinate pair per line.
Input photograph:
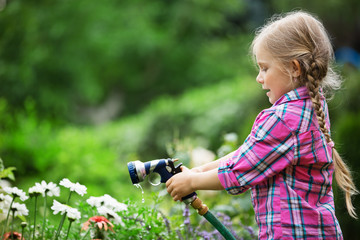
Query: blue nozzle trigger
x,y
166,171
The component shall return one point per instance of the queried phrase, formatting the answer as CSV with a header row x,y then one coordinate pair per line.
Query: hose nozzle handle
x,y
164,167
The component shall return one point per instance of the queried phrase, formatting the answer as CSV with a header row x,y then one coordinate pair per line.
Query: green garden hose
x,y
203,210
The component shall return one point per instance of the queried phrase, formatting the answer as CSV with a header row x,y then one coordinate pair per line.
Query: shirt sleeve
x,y
266,151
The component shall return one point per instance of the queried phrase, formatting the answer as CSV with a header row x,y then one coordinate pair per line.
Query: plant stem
x,y
85,234
23,227
34,217
60,226
67,235
7,218
22,233
43,227
12,224
29,219
67,203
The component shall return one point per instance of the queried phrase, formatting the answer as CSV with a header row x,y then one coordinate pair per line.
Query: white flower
x,y
16,193
3,213
231,137
113,204
20,209
108,202
77,187
95,201
51,189
73,214
5,199
110,214
36,190
58,207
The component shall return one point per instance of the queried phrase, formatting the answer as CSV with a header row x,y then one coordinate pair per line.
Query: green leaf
x,y
22,218
8,173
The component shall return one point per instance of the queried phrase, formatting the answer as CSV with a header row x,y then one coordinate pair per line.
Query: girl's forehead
x,y
262,55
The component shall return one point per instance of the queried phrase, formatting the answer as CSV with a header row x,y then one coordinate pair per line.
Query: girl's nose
x,y
259,79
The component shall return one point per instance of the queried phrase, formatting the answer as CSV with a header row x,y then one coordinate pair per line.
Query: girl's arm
x,y
187,181
204,177
212,165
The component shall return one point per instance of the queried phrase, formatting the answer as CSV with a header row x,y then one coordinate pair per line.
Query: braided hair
x,y
302,37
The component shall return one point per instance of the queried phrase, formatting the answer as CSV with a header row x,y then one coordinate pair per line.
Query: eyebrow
x,y
262,63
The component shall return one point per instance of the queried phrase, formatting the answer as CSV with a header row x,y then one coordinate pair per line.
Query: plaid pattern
x,y
288,166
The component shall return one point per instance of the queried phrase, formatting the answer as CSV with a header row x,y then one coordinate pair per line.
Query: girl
x,y
289,158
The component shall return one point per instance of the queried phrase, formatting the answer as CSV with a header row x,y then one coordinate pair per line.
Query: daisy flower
x,y
73,214
95,201
5,200
58,207
77,187
20,209
51,189
111,214
113,204
36,190
15,192
107,201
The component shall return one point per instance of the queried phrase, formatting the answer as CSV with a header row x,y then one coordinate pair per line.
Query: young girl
x,y
289,158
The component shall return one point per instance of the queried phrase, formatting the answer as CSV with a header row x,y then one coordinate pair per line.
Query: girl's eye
x,y
263,69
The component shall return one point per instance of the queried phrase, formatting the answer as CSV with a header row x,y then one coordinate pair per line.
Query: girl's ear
x,y
295,68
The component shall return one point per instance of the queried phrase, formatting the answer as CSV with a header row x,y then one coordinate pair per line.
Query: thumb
x,y
184,169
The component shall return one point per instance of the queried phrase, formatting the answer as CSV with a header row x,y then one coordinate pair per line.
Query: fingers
x,y
171,190
184,169
168,182
173,193
178,185
169,187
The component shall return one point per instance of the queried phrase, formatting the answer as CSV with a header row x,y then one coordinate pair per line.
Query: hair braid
x,y
313,86
342,172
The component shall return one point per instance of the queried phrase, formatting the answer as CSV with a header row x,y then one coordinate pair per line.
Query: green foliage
x,y
6,172
98,155
71,55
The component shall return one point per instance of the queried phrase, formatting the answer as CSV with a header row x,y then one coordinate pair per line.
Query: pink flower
x,y
100,222
12,235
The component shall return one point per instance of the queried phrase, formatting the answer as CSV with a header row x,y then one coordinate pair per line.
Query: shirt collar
x,y
299,93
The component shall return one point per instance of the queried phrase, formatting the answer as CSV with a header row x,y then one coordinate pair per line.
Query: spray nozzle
x,y
164,167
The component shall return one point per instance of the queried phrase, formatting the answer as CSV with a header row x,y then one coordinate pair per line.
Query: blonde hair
x,y
302,37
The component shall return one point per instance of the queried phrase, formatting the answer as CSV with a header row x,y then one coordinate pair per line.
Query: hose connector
x,y
199,206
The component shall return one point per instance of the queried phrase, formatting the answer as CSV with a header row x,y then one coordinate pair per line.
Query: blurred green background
x,y
87,86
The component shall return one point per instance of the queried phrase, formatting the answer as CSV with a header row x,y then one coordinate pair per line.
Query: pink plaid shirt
x,y
288,166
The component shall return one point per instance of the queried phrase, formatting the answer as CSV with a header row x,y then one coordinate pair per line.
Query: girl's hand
x,y
180,185
196,169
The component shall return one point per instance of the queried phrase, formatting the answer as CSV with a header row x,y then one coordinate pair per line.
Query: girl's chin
x,y
271,100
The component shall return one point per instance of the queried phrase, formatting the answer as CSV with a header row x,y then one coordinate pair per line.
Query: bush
x,y
97,156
